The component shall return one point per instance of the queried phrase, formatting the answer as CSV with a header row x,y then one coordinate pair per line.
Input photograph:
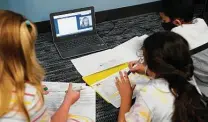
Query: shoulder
x,y
156,85
158,91
36,109
197,24
29,94
32,97
30,90
154,102
34,104
158,99
200,21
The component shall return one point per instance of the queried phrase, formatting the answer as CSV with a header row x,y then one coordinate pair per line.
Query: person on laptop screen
x,y
85,22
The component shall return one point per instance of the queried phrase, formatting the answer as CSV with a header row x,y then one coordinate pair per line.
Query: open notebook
x,y
104,83
84,110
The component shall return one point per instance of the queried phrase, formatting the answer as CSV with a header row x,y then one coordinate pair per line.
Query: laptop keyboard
x,y
79,42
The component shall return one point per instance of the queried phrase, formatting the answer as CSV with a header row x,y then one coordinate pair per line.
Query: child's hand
x,y
139,68
124,86
71,96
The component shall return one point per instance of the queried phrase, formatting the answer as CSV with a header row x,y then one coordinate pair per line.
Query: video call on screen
x,y
73,23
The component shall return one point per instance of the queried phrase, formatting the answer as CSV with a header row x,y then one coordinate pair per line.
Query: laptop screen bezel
x,y
73,35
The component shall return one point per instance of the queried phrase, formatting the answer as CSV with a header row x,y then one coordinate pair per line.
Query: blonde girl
x,y
21,97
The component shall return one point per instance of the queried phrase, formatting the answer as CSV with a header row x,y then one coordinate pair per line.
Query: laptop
x,y
74,32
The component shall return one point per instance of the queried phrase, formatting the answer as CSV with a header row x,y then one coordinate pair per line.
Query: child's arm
x,y
125,107
61,115
126,92
139,112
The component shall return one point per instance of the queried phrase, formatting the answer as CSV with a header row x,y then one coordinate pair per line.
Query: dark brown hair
x,y
167,54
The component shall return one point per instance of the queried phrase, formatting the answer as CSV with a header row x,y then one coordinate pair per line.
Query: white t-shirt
x,y
154,103
197,35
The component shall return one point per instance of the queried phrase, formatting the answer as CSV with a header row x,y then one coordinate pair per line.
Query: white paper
x,y
97,62
84,110
130,49
132,45
62,87
108,90
100,61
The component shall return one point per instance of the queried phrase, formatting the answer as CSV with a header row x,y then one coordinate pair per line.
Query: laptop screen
x,y
73,23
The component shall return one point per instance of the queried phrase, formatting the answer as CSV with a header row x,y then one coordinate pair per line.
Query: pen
x,y
129,72
141,60
145,70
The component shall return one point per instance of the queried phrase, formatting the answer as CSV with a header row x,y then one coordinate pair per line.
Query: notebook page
x,y
83,110
108,90
97,62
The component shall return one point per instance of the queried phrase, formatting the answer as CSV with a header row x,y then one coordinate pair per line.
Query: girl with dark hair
x,y
169,96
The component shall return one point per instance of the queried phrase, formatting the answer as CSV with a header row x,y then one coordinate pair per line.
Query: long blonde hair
x,y
18,62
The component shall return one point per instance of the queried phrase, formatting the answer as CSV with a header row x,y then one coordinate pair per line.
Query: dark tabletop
x,y
113,33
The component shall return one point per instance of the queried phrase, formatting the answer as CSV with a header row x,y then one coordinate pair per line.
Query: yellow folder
x,y
91,79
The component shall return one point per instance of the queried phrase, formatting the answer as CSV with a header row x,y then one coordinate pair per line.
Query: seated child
x,y
168,97
21,95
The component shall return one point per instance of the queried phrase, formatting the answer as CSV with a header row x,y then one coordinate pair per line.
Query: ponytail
x,y
34,71
187,98
28,35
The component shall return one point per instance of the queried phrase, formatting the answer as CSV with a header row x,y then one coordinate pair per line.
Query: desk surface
x,y
113,33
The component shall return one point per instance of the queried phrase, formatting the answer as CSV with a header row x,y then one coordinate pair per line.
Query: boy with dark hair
x,y
178,16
